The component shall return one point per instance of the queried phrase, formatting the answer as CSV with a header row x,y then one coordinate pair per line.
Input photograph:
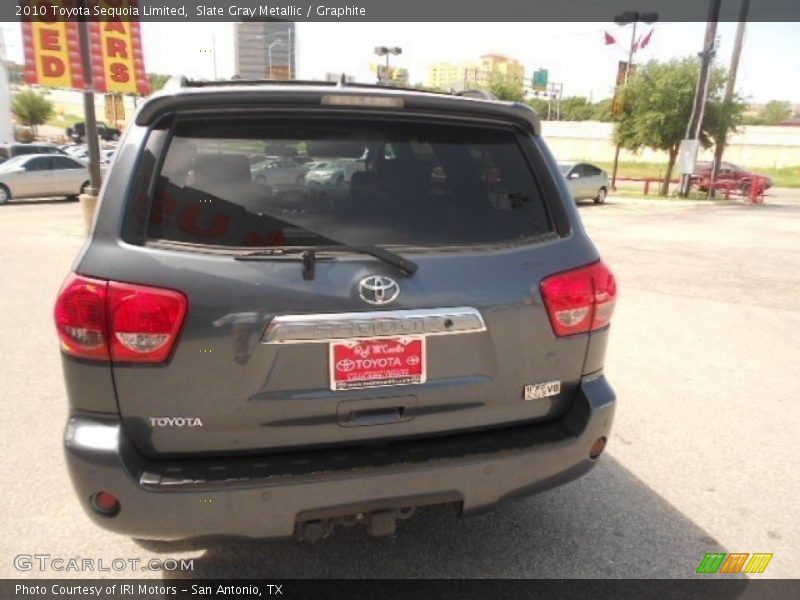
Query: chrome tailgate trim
x,y
312,328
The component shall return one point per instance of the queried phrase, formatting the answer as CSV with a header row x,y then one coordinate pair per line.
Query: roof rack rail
x,y
179,81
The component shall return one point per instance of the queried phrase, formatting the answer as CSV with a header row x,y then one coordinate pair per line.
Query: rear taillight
x,y
124,322
143,321
580,300
81,317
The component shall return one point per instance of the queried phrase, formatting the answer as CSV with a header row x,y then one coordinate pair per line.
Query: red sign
x,y
377,362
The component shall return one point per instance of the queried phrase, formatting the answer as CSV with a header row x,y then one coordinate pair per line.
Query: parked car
x,y
80,151
585,181
77,132
326,174
107,155
728,175
11,150
279,172
42,175
267,365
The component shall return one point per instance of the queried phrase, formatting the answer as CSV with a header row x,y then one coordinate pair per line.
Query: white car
x,y
585,181
279,173
42,175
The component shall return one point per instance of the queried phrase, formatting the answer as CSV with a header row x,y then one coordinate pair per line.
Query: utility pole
x,y
90,120
629,16
624,83
695,125
730,85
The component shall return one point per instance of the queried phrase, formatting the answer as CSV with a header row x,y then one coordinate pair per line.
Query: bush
x,y
31,109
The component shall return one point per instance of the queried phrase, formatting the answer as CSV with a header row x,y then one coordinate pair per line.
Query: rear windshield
x,y
320,182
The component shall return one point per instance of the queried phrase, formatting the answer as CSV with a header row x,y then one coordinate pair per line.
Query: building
x,y
458,76
265,50
471,75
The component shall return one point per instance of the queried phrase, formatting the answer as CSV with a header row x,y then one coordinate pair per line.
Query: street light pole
x,y
387,51
269,54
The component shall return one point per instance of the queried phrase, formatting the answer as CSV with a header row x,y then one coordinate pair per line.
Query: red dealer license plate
x,y
377,362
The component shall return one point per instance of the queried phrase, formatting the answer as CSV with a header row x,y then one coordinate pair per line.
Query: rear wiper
x,y
308,255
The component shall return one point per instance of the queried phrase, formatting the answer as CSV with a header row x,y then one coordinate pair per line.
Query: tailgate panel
x,y
253,390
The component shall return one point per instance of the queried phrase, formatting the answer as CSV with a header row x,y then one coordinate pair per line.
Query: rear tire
x,y
5,194
84,187
600,198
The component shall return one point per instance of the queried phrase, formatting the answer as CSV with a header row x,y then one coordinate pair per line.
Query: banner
x,y
116,49
52,48
52,52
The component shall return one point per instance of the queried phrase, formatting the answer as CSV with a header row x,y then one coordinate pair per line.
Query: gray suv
x,y
269,361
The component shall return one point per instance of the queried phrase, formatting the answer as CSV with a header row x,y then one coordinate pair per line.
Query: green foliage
x,y
539,105
775,112
574,108
602,110
658,106
157,81
723,118
31,109
506,88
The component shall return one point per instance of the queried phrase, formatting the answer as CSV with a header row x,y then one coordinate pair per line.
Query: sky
x,y
574,53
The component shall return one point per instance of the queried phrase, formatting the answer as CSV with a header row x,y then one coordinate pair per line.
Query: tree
x,y
602,110
775,112
506,88
157,81
576,108
539,105
658,104
31,109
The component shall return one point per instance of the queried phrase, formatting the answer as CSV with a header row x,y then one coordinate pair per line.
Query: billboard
x,y
53,58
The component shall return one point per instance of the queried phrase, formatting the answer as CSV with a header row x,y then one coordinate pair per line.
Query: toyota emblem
x,y
378,289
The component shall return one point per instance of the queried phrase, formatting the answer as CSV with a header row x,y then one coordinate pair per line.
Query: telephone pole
x,y
88,198
695,125
629,16
730,85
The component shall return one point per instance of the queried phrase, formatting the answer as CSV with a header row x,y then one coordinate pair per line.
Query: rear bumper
x,y
475,471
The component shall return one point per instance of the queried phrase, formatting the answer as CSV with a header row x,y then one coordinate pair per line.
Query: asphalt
x,y
703,456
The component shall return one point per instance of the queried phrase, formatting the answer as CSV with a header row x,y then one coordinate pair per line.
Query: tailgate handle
x,y
377,416
376,411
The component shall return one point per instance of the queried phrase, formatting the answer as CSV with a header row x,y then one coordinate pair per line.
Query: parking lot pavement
x,y
703,456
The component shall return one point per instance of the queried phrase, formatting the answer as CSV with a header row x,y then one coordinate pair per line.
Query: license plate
x,y
377,362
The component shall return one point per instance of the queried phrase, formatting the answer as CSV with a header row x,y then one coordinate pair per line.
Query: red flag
x,y
609,38
646,39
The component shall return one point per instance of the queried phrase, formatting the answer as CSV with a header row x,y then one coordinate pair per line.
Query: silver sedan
x,y
42,175
586,181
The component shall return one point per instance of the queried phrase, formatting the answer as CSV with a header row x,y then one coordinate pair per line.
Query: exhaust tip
x,y
597,448
104,503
